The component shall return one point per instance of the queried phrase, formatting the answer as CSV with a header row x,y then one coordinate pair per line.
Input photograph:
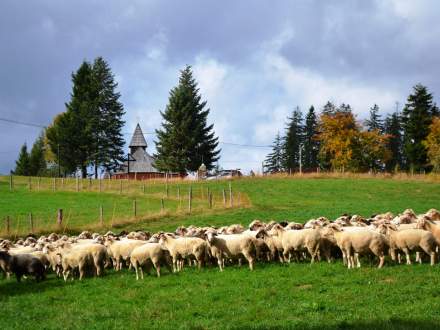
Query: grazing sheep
x,y
147,255
297,241
22,264
184,247
358,242
232,246
121,250
412,240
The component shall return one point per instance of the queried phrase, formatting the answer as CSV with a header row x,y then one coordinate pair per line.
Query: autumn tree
x,y
432,144
338,136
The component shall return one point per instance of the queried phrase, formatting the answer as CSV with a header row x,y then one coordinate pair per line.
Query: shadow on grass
x,y
373,324
10,288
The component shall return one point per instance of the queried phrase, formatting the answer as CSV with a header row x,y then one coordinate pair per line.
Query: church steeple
x,y
138,139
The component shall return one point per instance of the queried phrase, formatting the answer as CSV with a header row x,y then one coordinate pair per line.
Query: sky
x,y
254,61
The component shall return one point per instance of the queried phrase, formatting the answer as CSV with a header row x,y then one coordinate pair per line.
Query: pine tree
x,y
374,122
71,135
108,141
311,144
293,141
328,109
22,163
37,161
185,140
393,128
274,160
417,116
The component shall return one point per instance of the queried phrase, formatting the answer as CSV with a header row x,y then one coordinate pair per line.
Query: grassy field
x,y
273,296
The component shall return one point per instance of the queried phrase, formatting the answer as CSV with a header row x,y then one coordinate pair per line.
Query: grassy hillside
x,y
277,296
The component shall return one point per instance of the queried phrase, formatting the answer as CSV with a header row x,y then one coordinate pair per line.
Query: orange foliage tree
x,y
432,144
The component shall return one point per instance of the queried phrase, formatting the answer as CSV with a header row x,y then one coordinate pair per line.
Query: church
x,y
139,164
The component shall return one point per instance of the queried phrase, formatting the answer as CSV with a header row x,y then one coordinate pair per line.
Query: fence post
x,y
11,183
189,199
101,215
54,184
90,184
231,198
8,225
210,199
224,197
100,185
162,206
77,184
143,188
31,222
30,183
178,193
134,207
62,183
38,183
120,186
60,217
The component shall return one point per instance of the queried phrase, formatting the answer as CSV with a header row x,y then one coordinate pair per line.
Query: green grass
x,y
273,296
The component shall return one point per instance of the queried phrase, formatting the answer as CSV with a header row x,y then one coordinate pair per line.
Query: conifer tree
x,y
374,122
108,141
311,143
417,116
274,160
185,140
22,163
37,161
393,128
293,141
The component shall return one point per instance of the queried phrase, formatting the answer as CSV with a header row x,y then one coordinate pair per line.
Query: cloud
x,y
254,63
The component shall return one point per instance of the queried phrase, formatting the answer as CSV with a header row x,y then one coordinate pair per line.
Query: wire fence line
x,y
39,205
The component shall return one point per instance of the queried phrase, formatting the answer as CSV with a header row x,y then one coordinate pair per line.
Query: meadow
x,y
297,295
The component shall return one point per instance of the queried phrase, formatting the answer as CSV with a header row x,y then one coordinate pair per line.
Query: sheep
x,y
354,243
231,246
433,215
426,224
22,264
412,240
147,255
121,250
297,241
77,258
183,247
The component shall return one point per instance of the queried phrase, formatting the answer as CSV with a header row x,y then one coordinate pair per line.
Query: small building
x,y
139,164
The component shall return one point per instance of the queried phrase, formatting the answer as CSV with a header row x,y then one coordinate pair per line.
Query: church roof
x,y
138,139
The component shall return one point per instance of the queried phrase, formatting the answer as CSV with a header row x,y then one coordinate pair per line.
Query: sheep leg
x,y
220,263
418,257
432,258
66,275
356,255
399,258
137,274
408,257
381,261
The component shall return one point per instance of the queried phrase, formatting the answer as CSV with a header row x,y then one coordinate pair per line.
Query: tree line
x,y
88,134
334,140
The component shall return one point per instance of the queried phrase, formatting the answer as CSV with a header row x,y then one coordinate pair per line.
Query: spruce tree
x,y
374,122
328,109
274,161
108,141
72,133
22,163
311,144
293,141
393,128
417,116
185,139
37,161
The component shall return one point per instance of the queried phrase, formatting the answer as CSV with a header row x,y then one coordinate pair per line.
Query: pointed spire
x,y
138,139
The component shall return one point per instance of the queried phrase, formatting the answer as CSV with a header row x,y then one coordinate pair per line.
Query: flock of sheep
x,y
347,237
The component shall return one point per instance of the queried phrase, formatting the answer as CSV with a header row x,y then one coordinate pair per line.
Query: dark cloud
x,y
387,45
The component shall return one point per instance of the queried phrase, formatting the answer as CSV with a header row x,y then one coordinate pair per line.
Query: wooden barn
x,y
139,164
